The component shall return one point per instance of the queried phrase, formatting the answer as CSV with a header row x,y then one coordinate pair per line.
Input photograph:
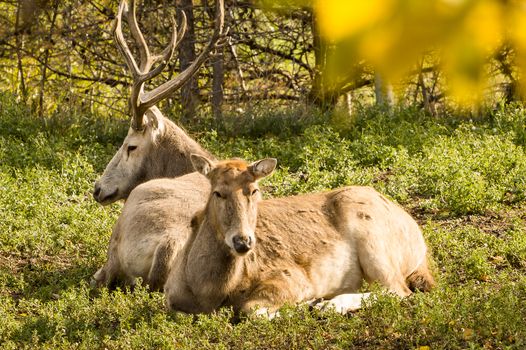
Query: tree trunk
x,y
383,92
19,47
43,76
218,78
320,94
217,86
190,90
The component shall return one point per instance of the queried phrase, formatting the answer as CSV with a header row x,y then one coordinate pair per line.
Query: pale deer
x,y
257,257
156,217
155,147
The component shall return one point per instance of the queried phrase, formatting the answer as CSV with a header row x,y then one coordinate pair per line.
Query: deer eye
x,y
254,191
131,148
218,195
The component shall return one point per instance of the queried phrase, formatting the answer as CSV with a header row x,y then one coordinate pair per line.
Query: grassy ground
x,y
464,181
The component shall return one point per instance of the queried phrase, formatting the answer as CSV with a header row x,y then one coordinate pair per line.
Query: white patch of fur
x,y
337,272
154,118
344,303
264,312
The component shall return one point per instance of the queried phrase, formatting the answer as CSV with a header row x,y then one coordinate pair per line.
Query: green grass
x,y
464,181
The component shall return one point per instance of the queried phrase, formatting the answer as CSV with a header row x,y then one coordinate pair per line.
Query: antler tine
x,y
168,52
150,98
137,90
141,73
145,59
121,42
140,101
180,34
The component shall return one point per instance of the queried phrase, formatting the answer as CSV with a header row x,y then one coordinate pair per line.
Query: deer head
x,y
232,207
138,158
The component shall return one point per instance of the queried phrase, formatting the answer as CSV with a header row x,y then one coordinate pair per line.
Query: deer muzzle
x,y
242,244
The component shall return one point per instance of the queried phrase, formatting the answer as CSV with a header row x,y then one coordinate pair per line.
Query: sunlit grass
x,y
462,179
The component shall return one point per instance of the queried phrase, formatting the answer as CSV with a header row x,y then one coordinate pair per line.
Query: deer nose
x,y
96,190
242,244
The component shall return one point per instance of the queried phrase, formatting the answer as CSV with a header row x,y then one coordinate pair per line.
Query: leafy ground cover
x,y
464,180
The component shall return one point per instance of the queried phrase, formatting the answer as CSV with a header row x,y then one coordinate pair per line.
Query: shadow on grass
x,y
45,283
102,322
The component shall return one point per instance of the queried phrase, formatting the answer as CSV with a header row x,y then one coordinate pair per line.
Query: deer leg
x,y
269,296
377,266
162,260
99,278
109,276
344,303
260,308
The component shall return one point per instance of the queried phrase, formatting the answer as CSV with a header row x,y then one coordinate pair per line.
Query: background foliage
x,y
58,55
464,36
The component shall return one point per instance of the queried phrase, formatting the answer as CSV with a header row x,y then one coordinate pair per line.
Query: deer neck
x,y
171,151
213,272
175,147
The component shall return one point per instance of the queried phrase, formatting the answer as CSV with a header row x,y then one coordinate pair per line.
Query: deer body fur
x,y
153,227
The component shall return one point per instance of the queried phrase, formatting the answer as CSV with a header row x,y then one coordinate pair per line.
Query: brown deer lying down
x,y
304,247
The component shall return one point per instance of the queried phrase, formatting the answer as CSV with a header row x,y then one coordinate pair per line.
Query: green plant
x,y
463,180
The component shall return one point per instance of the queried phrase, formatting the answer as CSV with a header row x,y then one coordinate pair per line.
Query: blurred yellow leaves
x,y
480,33
392,35
517,22
340,18
517,34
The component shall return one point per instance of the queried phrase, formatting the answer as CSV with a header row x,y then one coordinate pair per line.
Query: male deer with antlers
x,y
295,249
155,219
155,147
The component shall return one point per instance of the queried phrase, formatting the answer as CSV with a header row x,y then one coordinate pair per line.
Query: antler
x,y
140,100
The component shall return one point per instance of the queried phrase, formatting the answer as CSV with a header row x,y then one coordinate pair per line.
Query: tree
x,y
189,91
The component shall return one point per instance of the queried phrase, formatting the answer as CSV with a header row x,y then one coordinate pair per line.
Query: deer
x,y
152,170
256,255
154,147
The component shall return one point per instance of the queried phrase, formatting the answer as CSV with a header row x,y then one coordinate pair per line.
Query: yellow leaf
x,y
484,278
484,24
343,18
467,333
517,20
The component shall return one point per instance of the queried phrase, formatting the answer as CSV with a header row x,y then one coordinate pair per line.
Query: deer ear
x,y
202,164
155,118
263,167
